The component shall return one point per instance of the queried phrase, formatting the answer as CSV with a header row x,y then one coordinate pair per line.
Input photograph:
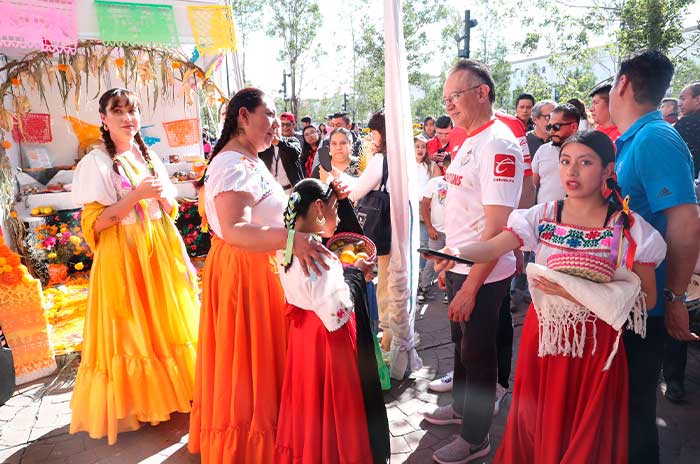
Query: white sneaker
x,y
500,394
443,415
443,384
459,451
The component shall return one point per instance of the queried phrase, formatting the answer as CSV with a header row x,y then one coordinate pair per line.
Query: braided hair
x,y
109,100
304,194
249,98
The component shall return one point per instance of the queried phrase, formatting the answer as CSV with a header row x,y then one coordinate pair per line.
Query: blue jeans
x,y
423,243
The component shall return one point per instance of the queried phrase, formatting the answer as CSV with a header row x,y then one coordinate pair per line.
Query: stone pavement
x,y
34,423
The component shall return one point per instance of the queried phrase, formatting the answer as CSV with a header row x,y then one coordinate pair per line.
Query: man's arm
x,y
682,235
529,194
463,304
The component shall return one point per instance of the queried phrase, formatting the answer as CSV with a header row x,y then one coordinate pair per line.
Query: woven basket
x,y
344,238
582,265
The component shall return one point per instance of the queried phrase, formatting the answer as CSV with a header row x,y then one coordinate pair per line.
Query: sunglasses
x,y
287,124
557,127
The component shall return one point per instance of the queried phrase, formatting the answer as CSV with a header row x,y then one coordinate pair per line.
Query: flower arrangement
x,y
12,272
189,224
61,244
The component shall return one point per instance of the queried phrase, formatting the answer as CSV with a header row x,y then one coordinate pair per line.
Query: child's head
x,y
421,146
312,208
586,162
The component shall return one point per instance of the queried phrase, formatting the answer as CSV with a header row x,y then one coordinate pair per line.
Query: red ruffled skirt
x,y
567,410
322,415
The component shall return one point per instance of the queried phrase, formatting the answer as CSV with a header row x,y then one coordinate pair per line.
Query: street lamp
x,y
468,24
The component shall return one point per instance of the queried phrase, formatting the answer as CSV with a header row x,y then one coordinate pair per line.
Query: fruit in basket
x,y
46,210
361,255
36,211
348,257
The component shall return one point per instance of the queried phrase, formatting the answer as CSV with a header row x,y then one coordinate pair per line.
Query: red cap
x,y
287,117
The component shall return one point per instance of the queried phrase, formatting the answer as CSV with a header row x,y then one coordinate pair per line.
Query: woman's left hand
x,y
340,189
367,268
552,288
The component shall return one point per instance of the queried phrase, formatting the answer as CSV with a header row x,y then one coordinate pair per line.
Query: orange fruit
x,y
348,257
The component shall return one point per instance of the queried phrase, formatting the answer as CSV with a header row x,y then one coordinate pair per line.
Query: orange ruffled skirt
x,y
241,358
140,331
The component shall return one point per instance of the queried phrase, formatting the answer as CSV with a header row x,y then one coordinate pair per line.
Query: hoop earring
x,y
321,221
105,128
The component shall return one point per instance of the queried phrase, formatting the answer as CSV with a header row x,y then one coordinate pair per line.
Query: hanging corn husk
x,y
154,68
6,120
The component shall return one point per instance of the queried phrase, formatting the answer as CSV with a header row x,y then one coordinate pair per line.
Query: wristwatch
x,y
671,297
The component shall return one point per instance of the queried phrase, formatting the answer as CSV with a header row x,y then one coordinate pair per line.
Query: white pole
x,y
402,173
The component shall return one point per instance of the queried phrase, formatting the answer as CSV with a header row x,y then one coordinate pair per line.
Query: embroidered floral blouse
x,y
538,231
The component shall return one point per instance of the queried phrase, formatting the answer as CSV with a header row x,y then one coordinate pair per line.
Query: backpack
x,y
374,214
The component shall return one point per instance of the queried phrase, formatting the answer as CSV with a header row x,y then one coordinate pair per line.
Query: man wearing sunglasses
x,y
563,123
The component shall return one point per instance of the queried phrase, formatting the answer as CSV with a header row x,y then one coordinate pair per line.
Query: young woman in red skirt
x,y
570,395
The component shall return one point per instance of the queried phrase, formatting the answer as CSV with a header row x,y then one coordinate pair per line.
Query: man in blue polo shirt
x,y
655,169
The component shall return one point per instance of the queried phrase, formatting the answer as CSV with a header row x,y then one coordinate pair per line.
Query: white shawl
x,y
562,323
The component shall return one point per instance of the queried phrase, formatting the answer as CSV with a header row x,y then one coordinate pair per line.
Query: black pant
x,y
504,341
644,358
675,360
476,358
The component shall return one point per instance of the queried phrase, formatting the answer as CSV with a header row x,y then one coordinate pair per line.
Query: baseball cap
x,y
286,116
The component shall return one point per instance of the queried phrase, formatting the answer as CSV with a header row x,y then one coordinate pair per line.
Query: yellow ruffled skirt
x,y
140,338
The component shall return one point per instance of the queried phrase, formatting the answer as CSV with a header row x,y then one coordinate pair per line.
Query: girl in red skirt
x,y
570,395
330,391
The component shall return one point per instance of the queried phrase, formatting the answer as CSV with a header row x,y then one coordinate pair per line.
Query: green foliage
x,y
651,24
687,71
369,49
535,84
430,104
247,15
296,22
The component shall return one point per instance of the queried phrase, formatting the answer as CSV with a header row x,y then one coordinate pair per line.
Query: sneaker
x,y
500,394
443,384
443,415
420,297
675,392
460,451
444,299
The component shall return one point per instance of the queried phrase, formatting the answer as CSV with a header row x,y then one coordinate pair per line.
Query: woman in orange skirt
x,y
243,331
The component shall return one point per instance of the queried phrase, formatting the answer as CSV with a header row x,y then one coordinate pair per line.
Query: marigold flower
x,y
176,65
119,62
3,261
5,251
75,240
6,268
16,81
79,266
62,67
14,260
52,255
6,144
12,278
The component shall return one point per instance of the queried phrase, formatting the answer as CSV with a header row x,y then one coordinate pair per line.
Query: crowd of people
x,y
277,363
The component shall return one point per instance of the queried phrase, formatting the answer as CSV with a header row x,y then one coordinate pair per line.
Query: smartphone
x,y
324,157
428,251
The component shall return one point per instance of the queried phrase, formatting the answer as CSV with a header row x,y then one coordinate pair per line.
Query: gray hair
x,y
537,109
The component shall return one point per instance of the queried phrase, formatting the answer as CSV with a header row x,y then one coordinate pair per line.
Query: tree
x,y
687,71
369,49
296,22
651,24
247,15
536,85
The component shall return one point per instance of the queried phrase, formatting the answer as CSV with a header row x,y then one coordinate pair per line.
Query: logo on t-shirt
x,y
665,192
504,166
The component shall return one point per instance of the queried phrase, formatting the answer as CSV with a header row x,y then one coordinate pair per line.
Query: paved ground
x,y
34,423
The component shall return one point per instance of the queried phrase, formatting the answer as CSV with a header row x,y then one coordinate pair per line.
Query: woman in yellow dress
x,y
140,332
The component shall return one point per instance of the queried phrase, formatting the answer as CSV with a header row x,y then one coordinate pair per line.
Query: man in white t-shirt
x,y
484,186
563,123
432,210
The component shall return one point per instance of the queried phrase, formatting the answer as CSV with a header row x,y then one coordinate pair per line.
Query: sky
x,y
333,75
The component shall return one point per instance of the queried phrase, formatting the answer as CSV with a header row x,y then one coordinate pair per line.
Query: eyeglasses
x,y
455,95
286,124
557,127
